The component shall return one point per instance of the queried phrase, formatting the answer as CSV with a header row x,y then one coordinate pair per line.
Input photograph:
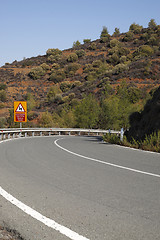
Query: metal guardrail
x,y
8,133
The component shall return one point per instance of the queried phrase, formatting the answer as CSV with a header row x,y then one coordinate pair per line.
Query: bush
x,y
153,40
93,46
80,53
52,93
114,42
46,120
2,122
45,66
116,32
136,28
57,76
53,51
114,58
53,58
146,50
128,36
36,73
143,50
112,138
152,24
76,44
104,33
65,86
86,40
72,57
3,86
55,66
119,68
3,96
72,67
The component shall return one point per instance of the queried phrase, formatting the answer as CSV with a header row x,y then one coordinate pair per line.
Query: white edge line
x,y
38,216
106,163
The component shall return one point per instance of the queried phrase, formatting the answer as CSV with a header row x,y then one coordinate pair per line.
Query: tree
x,y
116,32
87,112
76,44
46,120
104,35
152,24
104,32
136,28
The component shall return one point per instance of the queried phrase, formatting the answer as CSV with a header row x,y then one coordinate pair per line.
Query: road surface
x,y
81,187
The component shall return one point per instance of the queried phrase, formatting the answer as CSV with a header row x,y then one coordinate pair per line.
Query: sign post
x,y
20,112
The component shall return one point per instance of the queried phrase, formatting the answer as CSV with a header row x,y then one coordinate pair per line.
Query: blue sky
x,y
29,28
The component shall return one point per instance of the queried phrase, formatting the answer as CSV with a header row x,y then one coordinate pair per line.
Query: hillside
x,y
61,79
148,121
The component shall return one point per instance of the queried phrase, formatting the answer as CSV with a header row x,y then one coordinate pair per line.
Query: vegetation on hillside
x,y
97,84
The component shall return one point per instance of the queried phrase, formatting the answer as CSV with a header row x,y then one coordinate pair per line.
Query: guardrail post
x,y
59,133
32,134
49,133
13,135
25,134
8,135
79,133
69,133
0,136
4,136
41,134
122,133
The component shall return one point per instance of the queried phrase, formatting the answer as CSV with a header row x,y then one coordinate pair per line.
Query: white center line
x,y
106,163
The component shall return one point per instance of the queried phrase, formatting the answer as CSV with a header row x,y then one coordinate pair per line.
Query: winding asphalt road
x,y
90,189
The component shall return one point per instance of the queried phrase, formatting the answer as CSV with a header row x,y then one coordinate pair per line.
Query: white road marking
x,y
106,163
38,216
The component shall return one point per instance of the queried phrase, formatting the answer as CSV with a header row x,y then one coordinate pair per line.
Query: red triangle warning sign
x,y
20,108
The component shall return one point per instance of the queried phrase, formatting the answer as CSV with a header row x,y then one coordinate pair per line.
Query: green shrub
x,y
119,68
135,28
152,142
65,86
86,40
153,40
114,58
3,86
93,46
46,120
55,66
3,96
72,57
104,33
72,67
57,76
114,42
36,73
152,24
45,66
80,53
112,138
116,32
128,36
76,44
52,93
146,50
53,51
53,58
2,122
